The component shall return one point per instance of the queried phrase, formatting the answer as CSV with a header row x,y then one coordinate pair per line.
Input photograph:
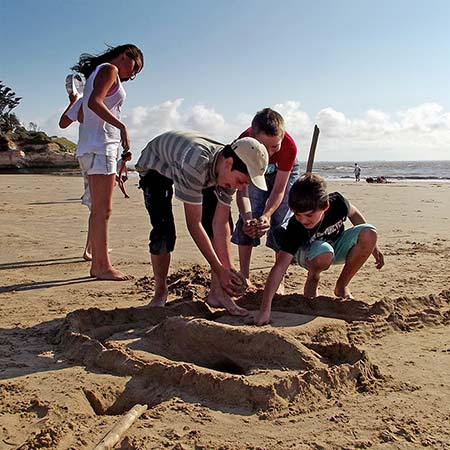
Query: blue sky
x,y
373,75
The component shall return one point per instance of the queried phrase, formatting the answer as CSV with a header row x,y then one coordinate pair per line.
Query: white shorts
x,y
94,164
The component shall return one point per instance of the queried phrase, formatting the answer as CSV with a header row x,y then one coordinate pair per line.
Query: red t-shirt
x,y
285,157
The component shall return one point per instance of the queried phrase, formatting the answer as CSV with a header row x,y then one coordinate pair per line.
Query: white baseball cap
x,y
255,157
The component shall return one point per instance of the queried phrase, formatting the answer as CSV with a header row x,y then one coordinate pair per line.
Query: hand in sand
x,y
262,318
379,258
232,282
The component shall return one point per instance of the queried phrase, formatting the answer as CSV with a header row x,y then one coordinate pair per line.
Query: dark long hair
x,y
88,63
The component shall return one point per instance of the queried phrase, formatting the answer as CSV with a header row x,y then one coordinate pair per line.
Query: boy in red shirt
x,y
262,212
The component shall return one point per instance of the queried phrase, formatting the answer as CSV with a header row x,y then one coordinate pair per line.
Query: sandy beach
x,y
75,353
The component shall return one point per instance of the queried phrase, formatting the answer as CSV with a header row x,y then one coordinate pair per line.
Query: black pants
x,y
158,193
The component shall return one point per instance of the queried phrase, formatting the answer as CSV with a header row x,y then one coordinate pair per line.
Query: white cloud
x,y
297,121
420,132
205,120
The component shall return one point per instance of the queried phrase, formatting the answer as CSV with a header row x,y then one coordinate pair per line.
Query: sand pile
x,y
189,351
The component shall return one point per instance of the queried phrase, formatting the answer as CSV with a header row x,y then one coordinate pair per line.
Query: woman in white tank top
x,y
100,136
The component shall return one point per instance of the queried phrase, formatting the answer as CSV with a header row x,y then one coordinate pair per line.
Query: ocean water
x,y
391,170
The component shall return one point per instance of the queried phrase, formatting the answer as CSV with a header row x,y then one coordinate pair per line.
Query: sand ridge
x,y
185,350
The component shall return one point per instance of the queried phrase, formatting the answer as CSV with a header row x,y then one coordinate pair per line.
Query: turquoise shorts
x,y
339,248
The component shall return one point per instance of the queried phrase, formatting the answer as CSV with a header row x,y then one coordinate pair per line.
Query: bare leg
x,y
160,264
315,267
217,298
101,189
245,255
280,290
357,256
87,254
122,188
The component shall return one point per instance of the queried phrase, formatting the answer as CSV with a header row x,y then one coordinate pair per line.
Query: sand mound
x,y
189,351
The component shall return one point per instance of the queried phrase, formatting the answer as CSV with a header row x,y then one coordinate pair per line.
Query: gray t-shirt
x,y
189,160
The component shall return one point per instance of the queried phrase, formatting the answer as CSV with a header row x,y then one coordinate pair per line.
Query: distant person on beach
x,y
185,164
122,172
101,133
315,237
263,211
357,172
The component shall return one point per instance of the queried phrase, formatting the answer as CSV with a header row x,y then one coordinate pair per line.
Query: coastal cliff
x,y
34,151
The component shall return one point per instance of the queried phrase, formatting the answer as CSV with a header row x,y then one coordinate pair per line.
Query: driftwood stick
x,y
118,431
312,150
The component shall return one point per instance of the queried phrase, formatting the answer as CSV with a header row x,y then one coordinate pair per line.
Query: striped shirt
x,y
189,160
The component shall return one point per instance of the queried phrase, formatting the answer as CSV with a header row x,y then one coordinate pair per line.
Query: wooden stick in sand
x,y
312,150
118,431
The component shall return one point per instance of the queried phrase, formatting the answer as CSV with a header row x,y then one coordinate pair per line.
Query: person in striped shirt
x,y
183,164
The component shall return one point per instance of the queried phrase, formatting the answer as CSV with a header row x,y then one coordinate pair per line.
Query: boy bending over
x,y
316,238
184,164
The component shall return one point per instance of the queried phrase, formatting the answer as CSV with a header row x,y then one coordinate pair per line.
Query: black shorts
x,y
158,193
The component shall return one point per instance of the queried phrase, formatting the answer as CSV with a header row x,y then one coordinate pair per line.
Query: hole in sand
x,y
189,351
226,365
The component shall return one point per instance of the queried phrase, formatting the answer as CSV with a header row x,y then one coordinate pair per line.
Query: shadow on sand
x,y
42,262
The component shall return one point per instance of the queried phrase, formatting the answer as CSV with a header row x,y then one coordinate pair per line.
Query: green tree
x,y
8,101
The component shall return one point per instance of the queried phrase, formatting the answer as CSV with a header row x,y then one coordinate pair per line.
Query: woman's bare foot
x,y
222,300
87,255
343,292
110,274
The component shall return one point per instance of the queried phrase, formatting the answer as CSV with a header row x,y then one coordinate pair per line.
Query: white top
x,y
72,112
96,135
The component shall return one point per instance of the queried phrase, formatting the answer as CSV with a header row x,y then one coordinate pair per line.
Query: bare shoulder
x,y
108,69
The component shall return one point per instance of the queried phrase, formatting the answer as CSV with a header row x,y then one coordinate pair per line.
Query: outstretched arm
x,y
245,211
272,284
222,234
277,194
